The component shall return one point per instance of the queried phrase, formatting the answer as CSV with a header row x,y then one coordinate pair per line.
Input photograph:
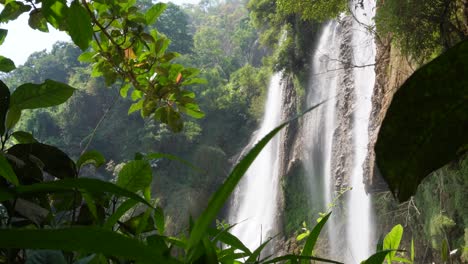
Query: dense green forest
x,y
124,146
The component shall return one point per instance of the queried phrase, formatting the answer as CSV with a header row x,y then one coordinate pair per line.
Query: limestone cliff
x,y
391,69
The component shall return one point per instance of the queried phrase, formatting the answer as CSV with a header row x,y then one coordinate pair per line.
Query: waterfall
x,y
320,123
336,135
359,215
254,208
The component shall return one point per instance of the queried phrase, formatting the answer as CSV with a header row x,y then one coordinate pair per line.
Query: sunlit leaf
x,y
6,65
135,175
23,137
13,10
154,12
49,93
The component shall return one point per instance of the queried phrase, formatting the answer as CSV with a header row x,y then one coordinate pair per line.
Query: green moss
x,y
299,205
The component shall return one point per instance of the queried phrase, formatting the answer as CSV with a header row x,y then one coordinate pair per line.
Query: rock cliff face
x,y
391,69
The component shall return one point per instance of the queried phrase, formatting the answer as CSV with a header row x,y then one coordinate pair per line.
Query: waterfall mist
x,y
254,207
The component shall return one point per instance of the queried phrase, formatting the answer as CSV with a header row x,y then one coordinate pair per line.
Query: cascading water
x,y
360,226
255,207
336,135
320,123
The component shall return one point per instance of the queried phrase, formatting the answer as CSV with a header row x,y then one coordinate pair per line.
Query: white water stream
x,y
359,225
255,207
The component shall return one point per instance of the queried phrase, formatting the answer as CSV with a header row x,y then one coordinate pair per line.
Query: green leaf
x,y
12,117
49,93
228,239
22,137
7,172
426,125
79,25
192,110
70,185
4,105
3,34
154,12
13,10
38,21
159,220
256,254
55,12
6,65
222,194
392,240
377,258
121,210
314,234
91,157
53,160
82,239
136,175
136,106
86,56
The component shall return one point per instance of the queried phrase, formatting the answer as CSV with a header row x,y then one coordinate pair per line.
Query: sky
x,y
22,41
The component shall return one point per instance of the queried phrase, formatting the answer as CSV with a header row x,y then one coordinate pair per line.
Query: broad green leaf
x,y
426,125
12,117
192,110
7,172
86,57
220,197
13,10
3,34
154,12
136,175
377,258
297,258
4,105
6,65
55,12
79,25
136,106
22,137
91,157
314,234
124,90
82,239
49,93
38,21
392,240
53,160
70,185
